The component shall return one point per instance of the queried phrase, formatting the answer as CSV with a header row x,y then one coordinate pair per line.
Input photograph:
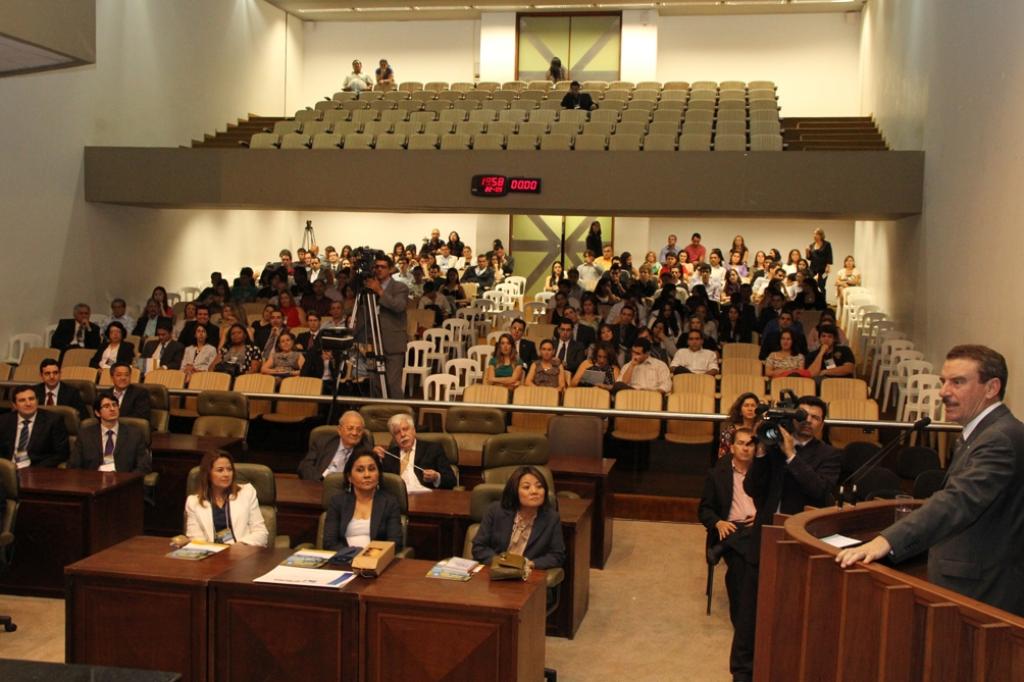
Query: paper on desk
x,y
306,577
841,541
197,550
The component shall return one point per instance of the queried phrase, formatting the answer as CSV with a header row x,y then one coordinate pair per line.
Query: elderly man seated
x,y
421,465
328,456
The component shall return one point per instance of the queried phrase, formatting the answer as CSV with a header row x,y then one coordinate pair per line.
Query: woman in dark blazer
x,y
362,512
523,523
116,350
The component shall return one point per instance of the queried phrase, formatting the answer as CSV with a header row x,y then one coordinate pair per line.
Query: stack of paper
x,y
196,550
455,568
306,577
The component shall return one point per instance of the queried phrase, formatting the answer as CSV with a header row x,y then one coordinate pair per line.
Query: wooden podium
x,y
816,621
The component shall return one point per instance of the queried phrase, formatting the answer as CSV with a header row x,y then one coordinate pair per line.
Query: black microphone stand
x,y
847,491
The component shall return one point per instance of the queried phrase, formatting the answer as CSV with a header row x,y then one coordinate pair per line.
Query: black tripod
x,y
368,310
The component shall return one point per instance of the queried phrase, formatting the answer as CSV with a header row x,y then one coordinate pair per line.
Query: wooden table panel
x,y
276,632
130,605
65,515
174,455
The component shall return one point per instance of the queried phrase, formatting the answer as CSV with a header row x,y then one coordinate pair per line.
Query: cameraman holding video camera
x,y
793,468
392,299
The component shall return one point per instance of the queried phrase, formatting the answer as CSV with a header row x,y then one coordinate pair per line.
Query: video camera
x,y
362,260
784,414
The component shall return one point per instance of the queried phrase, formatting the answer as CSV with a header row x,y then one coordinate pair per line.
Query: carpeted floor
x,y
646,620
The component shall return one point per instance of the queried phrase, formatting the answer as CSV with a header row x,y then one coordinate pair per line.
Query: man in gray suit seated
x,y
392,301
973,527
108,444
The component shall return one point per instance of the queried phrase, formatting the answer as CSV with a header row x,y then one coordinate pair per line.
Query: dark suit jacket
x,y
580,101
125,354
262,334
130,452
188,334
545,548
808,480
527,351
322,451
385,519
66,395
428,456
48,445
974,527
65,334
170,358
575,354
716,501
583,333
484,281
134,402
140,326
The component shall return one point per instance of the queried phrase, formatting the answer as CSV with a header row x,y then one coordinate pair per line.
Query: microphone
x,y
922,423
851,481
399,458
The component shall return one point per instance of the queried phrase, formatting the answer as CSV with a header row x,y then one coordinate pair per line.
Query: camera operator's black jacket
x,y
808,480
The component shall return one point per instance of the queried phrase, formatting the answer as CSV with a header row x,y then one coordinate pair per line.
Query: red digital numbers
x,y
499,185
493,184
523,185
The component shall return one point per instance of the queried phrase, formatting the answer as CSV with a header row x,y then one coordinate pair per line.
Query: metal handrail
x,y
559,410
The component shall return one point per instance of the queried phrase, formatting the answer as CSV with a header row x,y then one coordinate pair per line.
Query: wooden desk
x,y
61,672
407,627
585,475
174,455
65,515
132,606
437,530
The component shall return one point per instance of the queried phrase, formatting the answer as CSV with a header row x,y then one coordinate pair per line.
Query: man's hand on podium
x,y
866,553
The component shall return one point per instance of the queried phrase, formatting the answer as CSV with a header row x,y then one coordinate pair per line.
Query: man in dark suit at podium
x,y
973,528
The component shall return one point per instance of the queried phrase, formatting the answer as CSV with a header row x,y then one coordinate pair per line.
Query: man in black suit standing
x,y
327,456
728,513
30,436
571,353
525,349
77,332
52,392
188,332
108,444
165,351
132,400
423,466
973,528
800,471
574,99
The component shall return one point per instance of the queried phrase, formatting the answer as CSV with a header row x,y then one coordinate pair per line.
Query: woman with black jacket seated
x,y
522,523
115,350
362,512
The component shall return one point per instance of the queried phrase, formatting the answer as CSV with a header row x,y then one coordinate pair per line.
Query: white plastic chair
x,y
853,302
917,384
880,340
460,330
535,311
18,343
48,331
441,389
874,344
865,331
543,296
417,361
503,320
467,372
189,293
904,371
492,337
440,340
893,378
886,365
481,354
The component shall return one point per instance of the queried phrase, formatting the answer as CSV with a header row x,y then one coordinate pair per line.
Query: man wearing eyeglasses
x,y
392,299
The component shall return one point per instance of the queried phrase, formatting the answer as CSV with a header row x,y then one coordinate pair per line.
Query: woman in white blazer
x,y
222,510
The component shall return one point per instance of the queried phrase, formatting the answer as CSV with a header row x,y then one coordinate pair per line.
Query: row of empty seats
x,y
520,142
554,104
598,85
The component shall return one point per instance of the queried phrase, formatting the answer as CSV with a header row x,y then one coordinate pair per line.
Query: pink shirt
x,y
695,253
742,508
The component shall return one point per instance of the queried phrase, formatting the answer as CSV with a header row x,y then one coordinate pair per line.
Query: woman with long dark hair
x,y
362,512
222,510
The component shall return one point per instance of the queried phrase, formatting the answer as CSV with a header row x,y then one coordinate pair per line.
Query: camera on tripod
x,y
362,260
784,414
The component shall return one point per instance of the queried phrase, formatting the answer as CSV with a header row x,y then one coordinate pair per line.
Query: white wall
x,y
813,58
497,56
165,74
638,60
417,51
946,77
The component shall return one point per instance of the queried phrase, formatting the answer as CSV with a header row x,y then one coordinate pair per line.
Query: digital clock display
x,y
499,185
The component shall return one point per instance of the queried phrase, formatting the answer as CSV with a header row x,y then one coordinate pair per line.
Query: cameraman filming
x,y
392,299
788,473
